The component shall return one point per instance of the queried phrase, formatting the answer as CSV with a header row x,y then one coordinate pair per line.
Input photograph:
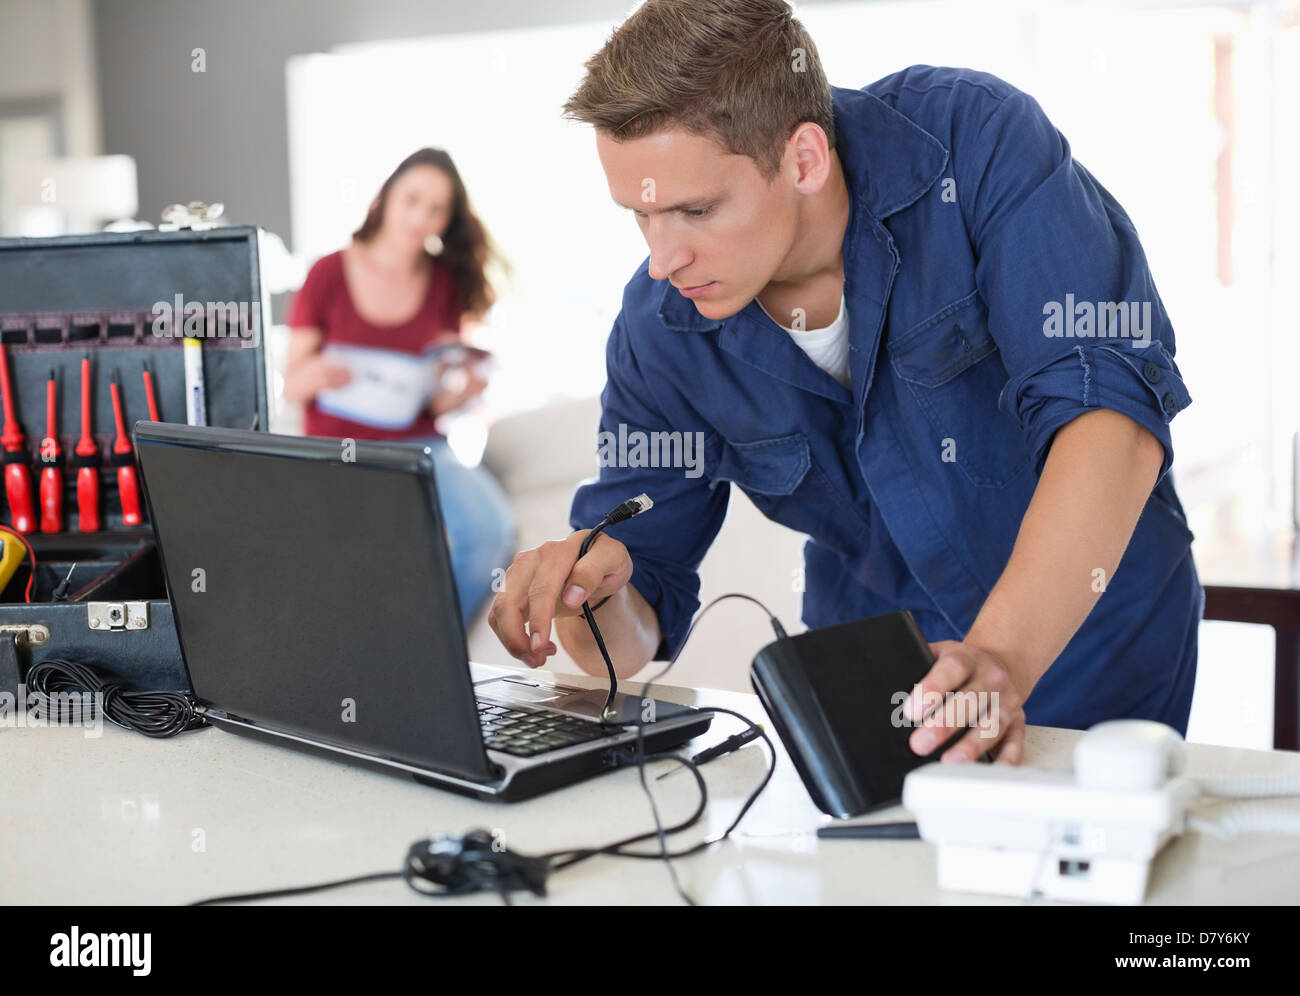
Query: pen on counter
x,y
726,747
890,831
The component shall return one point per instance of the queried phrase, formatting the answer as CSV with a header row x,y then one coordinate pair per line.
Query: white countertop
x,y
123,819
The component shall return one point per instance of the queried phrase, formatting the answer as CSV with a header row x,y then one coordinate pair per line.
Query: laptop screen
x,y
312,589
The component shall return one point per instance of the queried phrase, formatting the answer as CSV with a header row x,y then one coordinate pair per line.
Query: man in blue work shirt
x,y
906,323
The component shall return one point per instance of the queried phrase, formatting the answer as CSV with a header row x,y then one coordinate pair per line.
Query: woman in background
x,y
412,274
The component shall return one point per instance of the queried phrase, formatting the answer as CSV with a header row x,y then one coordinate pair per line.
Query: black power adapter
x,y
834,695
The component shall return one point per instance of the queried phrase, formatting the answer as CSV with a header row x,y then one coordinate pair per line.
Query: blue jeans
x,y
480,525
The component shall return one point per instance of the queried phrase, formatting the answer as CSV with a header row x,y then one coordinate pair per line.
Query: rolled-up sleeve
x,y
668,542
1071,301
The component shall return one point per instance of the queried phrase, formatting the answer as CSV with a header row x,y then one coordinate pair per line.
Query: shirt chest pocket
x,y
953,370
780,477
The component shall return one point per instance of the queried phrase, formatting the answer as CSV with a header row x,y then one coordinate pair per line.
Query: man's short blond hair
x,y
744,72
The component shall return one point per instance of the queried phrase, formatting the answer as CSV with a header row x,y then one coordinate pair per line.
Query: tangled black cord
x,y
563,859
449,865
155,714
641,758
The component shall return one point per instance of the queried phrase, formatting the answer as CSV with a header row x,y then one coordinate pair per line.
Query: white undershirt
x,y
828,347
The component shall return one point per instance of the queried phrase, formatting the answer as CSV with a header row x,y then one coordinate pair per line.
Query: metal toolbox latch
x,y
117,615
27,634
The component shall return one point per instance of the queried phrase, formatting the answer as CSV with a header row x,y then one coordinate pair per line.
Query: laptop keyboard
x,y
525,732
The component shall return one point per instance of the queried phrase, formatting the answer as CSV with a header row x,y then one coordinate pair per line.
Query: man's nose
x,y
667,255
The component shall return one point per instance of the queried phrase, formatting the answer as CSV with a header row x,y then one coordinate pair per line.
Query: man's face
x,y
709,218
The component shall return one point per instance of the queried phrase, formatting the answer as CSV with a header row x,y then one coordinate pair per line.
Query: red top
x,y
325,303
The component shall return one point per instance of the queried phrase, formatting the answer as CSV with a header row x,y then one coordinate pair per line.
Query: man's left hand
x,y
985,698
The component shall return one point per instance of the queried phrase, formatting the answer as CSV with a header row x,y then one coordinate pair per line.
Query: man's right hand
x,y
550,581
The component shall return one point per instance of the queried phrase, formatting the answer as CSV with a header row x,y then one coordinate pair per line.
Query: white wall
x,y
47,51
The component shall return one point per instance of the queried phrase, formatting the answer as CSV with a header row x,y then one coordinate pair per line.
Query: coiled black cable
x,y
154,714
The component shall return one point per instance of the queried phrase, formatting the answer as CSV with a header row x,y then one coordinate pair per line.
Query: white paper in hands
x,y
388,389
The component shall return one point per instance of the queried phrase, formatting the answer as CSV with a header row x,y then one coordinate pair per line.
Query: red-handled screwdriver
x,y
87,461
18,478
51,474
148,393
125,454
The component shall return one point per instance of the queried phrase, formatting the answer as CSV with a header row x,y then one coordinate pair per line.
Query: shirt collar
x,y
889,161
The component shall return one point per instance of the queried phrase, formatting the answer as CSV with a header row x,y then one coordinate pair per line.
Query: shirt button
x,y
1151,372
1170,403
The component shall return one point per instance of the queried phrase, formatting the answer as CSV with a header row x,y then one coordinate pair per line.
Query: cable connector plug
x,y
61,591
617,757
633,506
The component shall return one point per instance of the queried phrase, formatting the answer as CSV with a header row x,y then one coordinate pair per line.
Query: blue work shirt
x,y
974,241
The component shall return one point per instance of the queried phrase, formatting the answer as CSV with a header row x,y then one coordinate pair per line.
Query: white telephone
x,y
1088,834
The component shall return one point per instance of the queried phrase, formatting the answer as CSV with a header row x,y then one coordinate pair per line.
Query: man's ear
x,y
809,149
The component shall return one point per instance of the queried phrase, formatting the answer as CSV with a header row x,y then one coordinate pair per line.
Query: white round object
x,y
1128,754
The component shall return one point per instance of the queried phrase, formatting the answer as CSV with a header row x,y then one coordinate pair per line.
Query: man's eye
x,y
699,212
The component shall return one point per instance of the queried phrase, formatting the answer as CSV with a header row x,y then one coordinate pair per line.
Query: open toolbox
x,y
126,303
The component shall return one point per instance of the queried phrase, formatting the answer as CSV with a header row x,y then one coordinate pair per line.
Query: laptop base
x,y
516,780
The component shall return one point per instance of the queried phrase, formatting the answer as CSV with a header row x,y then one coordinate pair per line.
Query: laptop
x,y
314,601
